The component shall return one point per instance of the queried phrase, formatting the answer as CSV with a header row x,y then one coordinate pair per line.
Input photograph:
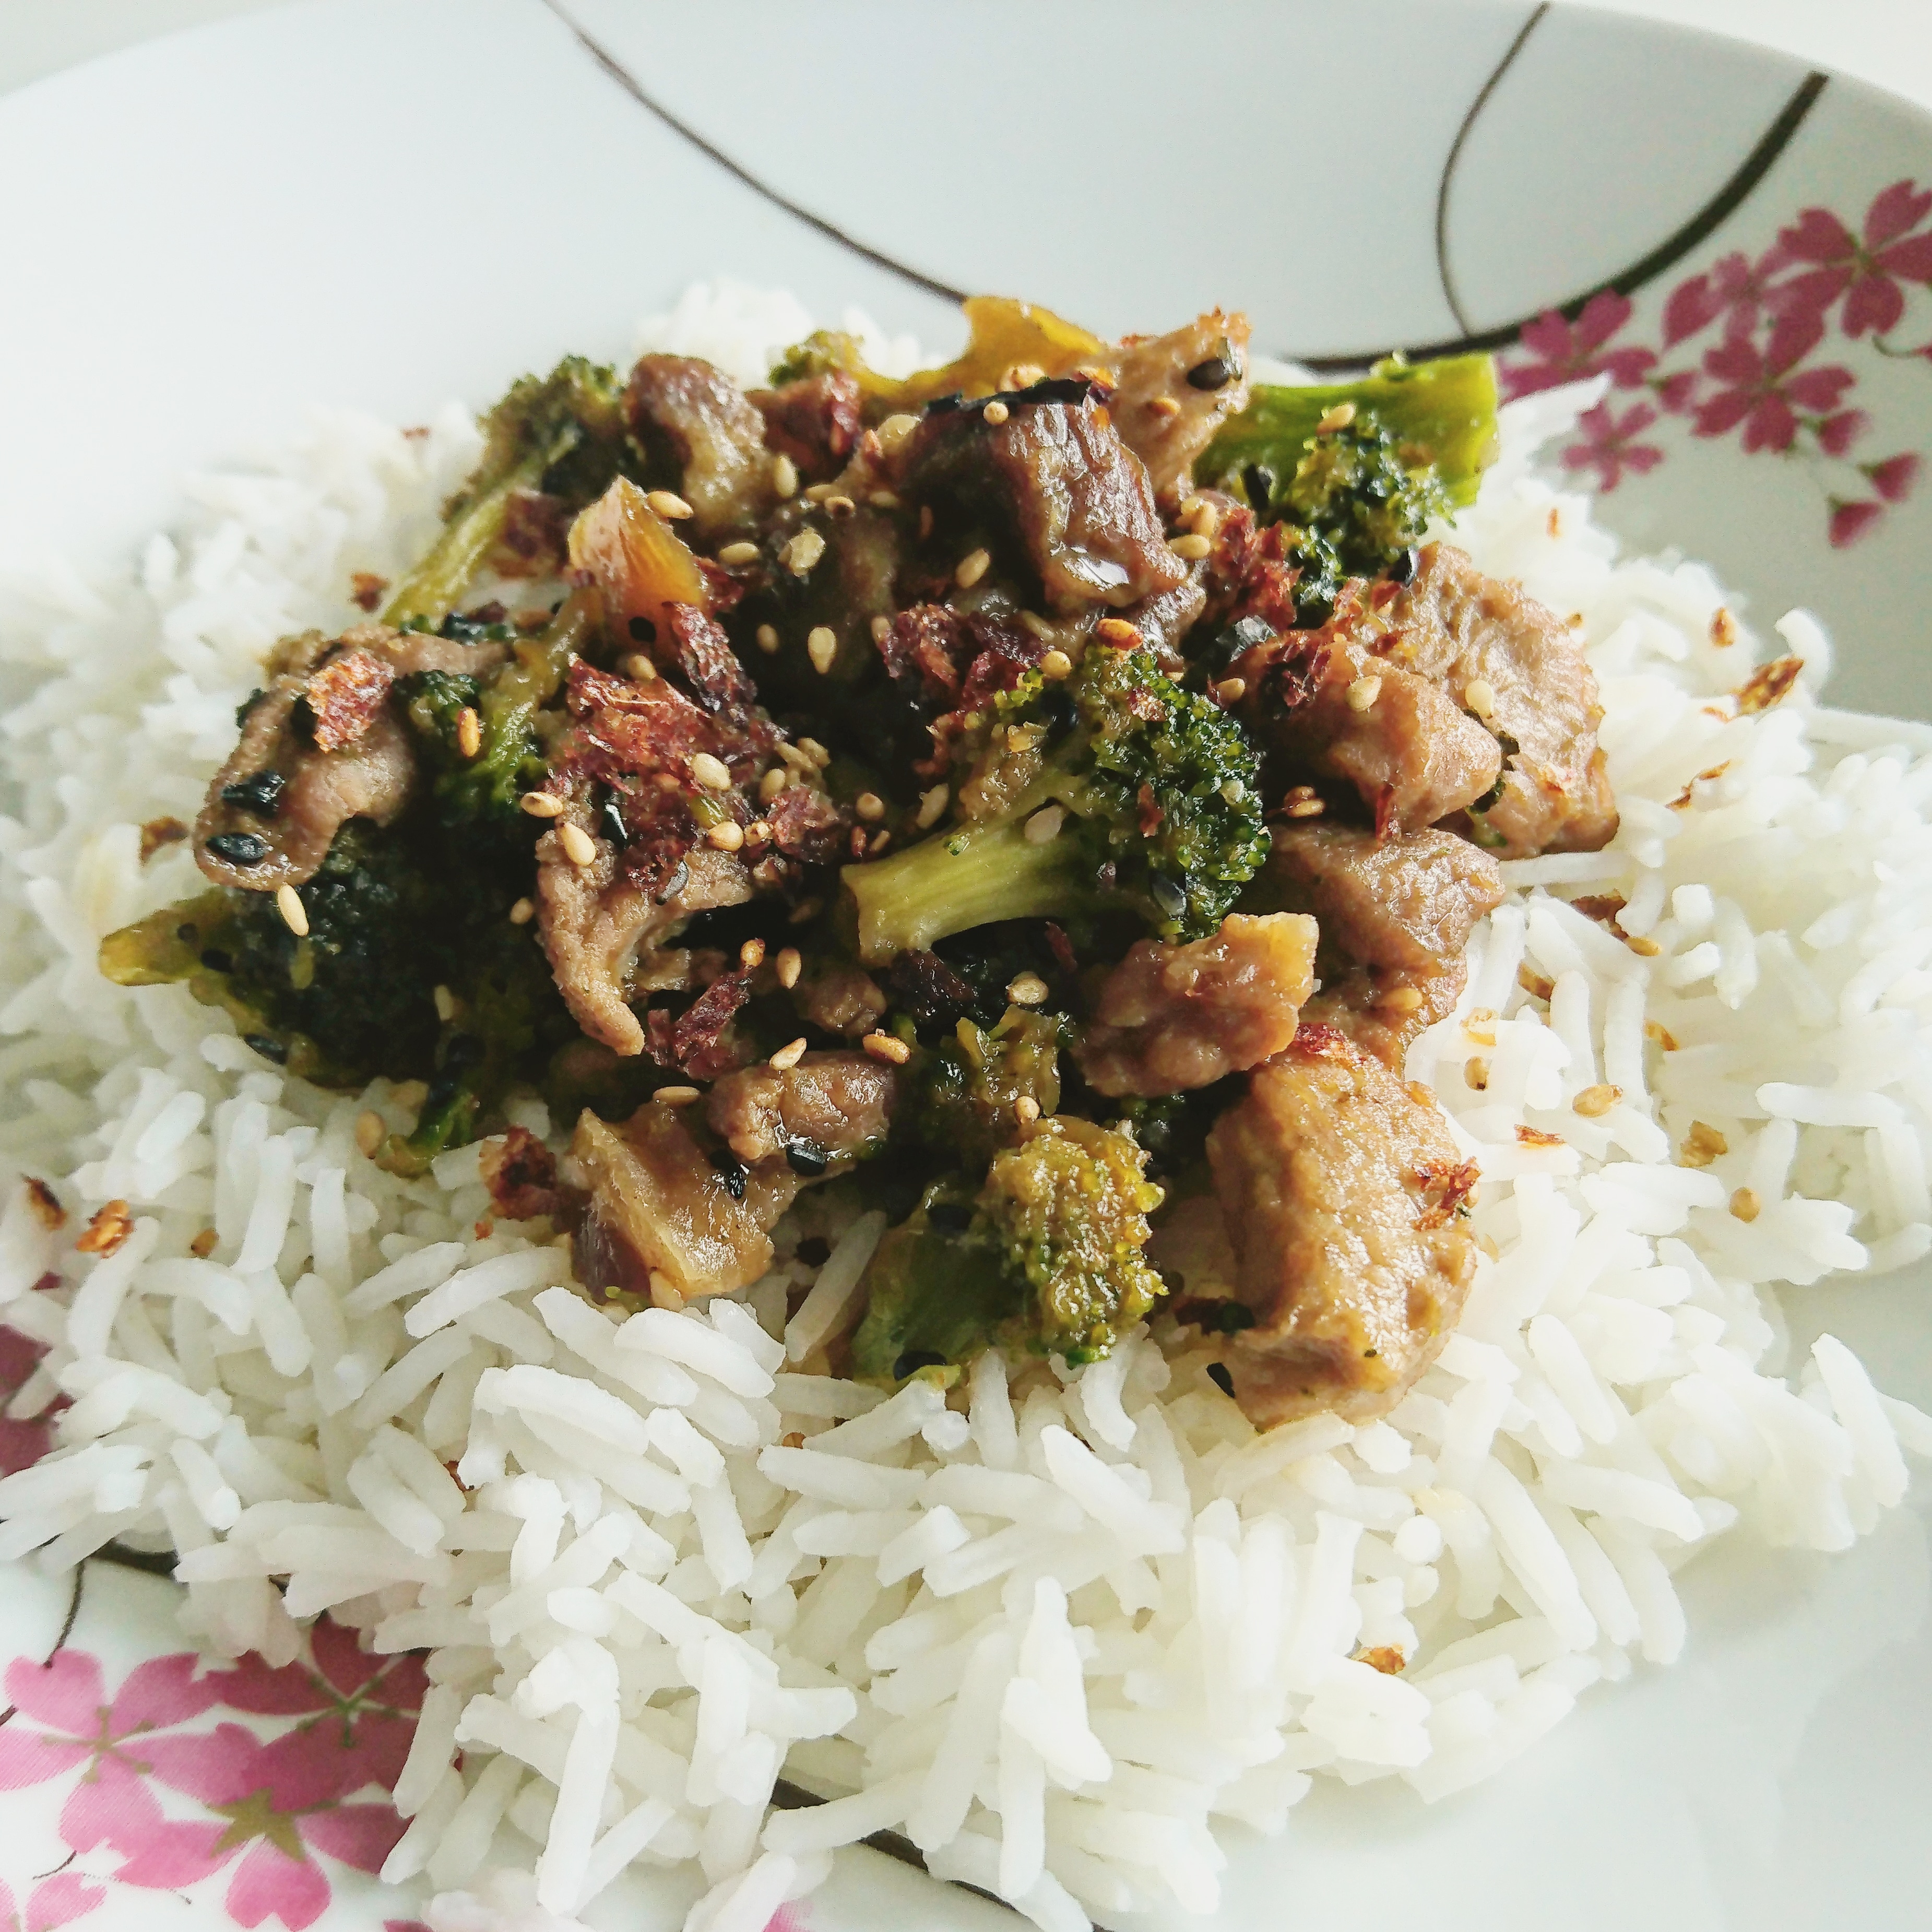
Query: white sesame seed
x,y
295,914
728,835
883,499
1230,691
1164,405
802,552
798,761
541,804
821,646
1192,547
815,751
676,1097
888,1047
773,782
370,1132
931,804
882,629
1233,790
579,848
768,639
445,1004
787,1056
669,504
870,806
1118,632
995,413
1056,664
1190,507
788,965
1026,1110
880,840
784,475
711,772
1026,989
637,667
972,568
1363,692
469,732
1045,824
817,493
1746,1205
1338,415
1595,1100
757,833
840,506
523,912
895,429
739,553
1480,694
1033,621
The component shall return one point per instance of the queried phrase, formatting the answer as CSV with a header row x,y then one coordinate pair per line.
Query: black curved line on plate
x,y
1666,255
73,1614
1455,155
151,1562
628,82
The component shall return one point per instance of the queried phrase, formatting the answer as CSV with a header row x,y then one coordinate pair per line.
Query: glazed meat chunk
x,y
1170,1017
684,412
1055,472
662,1224
1465,629
825,1113
1339,1190
1408,902
1175,392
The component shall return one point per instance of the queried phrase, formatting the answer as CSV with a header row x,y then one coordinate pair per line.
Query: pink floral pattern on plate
x,y
1747,347
269,1811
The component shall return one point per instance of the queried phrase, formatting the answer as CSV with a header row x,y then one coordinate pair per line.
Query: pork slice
x,y
816,420
1168,1019
1407,903
1382,1009
1339,1191
1078,500
275,808
1166,419
658,1207
831,1107
680,405
1459,627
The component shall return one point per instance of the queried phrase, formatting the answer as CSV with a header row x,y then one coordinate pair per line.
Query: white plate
x,y
385,204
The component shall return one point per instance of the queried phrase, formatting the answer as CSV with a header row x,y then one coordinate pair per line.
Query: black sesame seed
x,y
913,1359
267,1046
216,959
246,705
730,1171
1217,1374
615,830
1314,614
186,934
259,792
1258,480
1217,373
1403,567
643,630
806,1161
680,878
239,848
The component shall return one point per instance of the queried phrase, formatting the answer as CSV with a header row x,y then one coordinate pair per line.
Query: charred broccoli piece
x,y
1113,791
565,431
970,1086
1047,1259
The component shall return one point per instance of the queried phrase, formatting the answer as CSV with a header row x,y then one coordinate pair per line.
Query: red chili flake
x,y
1451,1182
1383,1656
158,833
345,695
1151,813
45,1204
520,1173
1768,684
1536,1137
366,590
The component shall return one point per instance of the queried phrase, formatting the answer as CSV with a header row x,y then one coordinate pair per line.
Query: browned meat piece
x,y
1382,1010
275,808
1339,1190
841,999
1079,501
679,407
1460,627
817,422
1398,738
833,1107
662,1224
696,647
1175,392
1408,902
1170,1017
596,921
534,527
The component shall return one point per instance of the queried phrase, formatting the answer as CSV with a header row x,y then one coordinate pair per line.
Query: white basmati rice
x,y
1052,1638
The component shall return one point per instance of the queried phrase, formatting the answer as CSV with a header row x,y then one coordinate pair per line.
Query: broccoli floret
x,y
1158,795
967,1102
564,431
1047,1259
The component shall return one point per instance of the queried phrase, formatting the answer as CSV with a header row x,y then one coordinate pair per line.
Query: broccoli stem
x,y
430,591
960,879
1446,408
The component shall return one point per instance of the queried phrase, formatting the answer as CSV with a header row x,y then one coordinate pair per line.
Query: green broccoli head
x,y
971,1087
1115,790
1046,1260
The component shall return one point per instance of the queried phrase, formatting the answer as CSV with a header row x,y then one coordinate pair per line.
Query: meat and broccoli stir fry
x,y
1040,797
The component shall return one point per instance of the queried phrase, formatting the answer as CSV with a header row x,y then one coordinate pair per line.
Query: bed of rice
x,y
1052,1640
